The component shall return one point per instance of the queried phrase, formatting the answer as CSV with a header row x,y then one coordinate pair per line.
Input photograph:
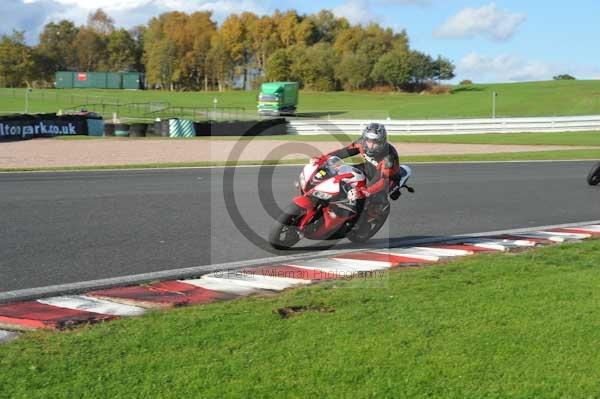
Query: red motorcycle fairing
x,y
329,226
330,223
303,202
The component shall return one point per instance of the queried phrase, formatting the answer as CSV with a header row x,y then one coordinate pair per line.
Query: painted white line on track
x,y
221,285
94,305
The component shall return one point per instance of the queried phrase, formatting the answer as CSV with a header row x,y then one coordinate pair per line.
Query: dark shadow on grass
x,y
319,114
466,89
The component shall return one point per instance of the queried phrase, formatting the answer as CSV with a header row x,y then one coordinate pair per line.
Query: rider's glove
x,y
356,194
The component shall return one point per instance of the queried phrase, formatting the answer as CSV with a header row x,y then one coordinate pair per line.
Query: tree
x,y
443,69
349,40
137,35
305,32
393,68
90,50
315,66
564,77
159,55
286,27
55,50
100,22
220,61
421,67
121,51
353,71
16,60
327,26
202,29
278,66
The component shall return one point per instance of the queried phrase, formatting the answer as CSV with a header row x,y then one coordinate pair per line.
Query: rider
x,y
381,167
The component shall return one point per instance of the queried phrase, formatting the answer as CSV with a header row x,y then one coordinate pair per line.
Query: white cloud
x,y
487,21
355,11
125,13
509,68
27,16
406,2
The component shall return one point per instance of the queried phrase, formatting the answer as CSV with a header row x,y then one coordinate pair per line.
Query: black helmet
x,y
374,138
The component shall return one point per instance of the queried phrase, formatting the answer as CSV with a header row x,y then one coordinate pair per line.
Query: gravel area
x,y
61,153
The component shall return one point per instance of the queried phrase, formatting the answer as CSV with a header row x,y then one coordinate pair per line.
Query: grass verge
x,y
489,326
586,154
556,138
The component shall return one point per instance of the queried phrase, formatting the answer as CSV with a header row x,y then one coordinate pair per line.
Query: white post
x,y
215,101
27,91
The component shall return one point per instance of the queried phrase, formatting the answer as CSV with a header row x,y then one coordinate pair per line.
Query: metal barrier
x,y
122,109
449,126
200,113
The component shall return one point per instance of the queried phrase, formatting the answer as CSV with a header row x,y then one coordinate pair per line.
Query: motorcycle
x,y
593,178
328,207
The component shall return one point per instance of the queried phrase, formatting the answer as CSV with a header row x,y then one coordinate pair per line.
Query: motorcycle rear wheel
x,y
593,178
284,234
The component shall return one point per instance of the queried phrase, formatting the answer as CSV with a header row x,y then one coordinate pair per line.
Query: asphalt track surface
x,y
58,228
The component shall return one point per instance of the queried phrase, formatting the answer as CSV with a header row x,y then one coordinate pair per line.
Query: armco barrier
x,y
449,126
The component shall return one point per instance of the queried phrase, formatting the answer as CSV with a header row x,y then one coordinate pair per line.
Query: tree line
x,y
180,51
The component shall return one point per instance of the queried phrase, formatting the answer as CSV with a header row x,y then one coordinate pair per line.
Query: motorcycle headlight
x,y
302,181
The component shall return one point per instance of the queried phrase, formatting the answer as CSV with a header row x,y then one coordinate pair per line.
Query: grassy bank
x,y
491,326
515,99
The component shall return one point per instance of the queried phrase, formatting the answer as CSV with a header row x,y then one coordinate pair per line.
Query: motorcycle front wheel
x,y
284,233
593,178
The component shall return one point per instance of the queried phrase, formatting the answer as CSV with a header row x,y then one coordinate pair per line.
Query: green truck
x,y
278,98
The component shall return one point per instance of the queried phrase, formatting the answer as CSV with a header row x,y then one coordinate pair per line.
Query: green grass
x,y
515,99
490,326
557,138
509,156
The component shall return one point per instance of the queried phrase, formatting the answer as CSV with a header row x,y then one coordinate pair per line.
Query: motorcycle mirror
x,y
410,189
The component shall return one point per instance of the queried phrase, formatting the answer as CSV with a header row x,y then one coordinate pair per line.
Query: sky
x,y
488,41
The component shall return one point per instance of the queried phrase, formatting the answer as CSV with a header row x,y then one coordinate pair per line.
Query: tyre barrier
x,y
121,130
164,128
109,130
152,131
138,129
